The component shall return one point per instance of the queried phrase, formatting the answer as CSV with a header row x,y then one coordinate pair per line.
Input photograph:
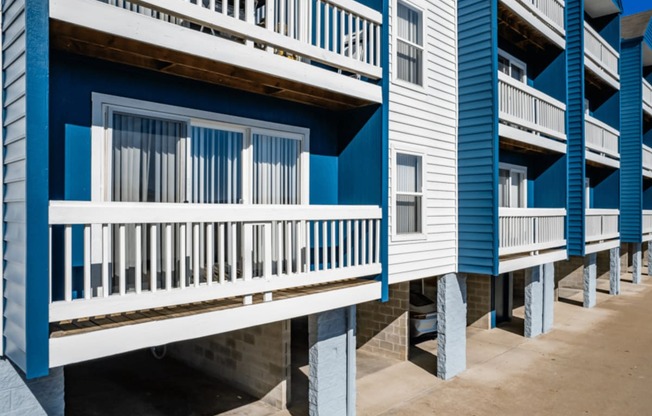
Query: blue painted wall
x,y
478,137
631,199
552,79
575,127
605,188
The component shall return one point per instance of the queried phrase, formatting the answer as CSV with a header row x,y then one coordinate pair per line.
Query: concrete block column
x,y
331,362
40,396
451,325
636,263
614,271
590,279
548,296
533,301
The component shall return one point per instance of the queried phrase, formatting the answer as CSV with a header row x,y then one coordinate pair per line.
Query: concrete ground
x,y
595,361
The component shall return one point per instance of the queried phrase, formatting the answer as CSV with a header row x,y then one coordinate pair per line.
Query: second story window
x,y
409,44
409,194
511,66
512,186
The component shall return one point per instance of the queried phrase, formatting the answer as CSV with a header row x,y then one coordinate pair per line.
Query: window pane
x,y
503,65
503,187
148,159
409,24
408,173
517,73
216,166
408,65
276,170
408,214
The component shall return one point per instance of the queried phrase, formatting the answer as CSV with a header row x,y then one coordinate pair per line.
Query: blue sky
x,y
635,6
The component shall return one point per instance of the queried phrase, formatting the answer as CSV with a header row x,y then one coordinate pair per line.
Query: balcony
x,y
530,116
647,97
546,17
602,231
531,236
131,256
324,53
601,142
600,57
647,225
647,161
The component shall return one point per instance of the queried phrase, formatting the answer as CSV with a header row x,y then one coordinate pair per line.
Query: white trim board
x,y
603,160
594,248
102,343
526,137
531,261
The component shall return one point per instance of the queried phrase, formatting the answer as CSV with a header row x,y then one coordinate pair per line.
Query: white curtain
x,y
409,57
408,190
275,170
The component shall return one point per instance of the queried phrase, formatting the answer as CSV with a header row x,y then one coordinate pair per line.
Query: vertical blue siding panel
x,y
575,126
631,182
478,136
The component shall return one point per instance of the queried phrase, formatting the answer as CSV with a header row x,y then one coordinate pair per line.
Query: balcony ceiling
x,y
84,41
599,8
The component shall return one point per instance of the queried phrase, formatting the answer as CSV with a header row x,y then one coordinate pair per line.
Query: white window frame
x,y
520,169
101,138
516,62
412,4
412,151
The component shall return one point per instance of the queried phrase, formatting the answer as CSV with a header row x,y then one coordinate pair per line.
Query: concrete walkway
x,y
595,361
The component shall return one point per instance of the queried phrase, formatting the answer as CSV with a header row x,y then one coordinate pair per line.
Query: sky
x,y
635,6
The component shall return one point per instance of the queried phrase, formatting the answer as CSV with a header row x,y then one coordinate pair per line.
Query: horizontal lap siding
x,y
424,120
14,180
478,137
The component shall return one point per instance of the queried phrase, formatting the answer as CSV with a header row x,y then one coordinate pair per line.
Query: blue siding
x,y
575,126
631,202
605,193
478,137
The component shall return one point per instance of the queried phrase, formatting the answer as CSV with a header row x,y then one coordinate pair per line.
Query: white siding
x,y
425,120
13,46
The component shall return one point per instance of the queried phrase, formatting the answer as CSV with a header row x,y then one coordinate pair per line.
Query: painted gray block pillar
x,y
590,279
533,301
614,271
548,296
40,396
637,263
451,325
331,362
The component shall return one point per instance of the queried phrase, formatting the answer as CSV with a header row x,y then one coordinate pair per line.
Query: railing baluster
x,y
340,257
349,257
105,261
326,26
267,241
324,247
67,263
363,244
220,252
152,258
333,243
297,246
279,248
88,291
122,272
233,236
247,251
356,242
377,257
196,271
138,255
270,20
210,254
315,245
288,247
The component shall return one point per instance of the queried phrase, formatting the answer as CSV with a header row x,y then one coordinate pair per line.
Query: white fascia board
x,y
126,24
595,248
603,160
511,265
103,343
531,139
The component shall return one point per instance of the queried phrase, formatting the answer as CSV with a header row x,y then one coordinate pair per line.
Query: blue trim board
x,y
37,195
631,140
478,136
384,236
575,127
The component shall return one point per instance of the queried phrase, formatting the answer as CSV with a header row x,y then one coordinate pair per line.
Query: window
x,y
512,186
409,194
511,66
409,44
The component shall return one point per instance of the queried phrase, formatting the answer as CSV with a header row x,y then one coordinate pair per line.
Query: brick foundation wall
x,y
40,396
478,301
570,273
255,360
383,328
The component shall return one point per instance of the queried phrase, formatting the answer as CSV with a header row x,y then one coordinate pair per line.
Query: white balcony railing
x,y
647,97
601,138
120,257
601,224
342,34
603,55
647,221
551,12
524,230
647,158
528,108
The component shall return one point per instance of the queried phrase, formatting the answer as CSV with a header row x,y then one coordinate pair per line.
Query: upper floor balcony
x,y
321,52
647,161
601,231
530,236
543,18
647,97
529,116
602,142
601,58
124,264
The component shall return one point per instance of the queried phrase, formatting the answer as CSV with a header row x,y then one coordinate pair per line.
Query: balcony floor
x,y
79,40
